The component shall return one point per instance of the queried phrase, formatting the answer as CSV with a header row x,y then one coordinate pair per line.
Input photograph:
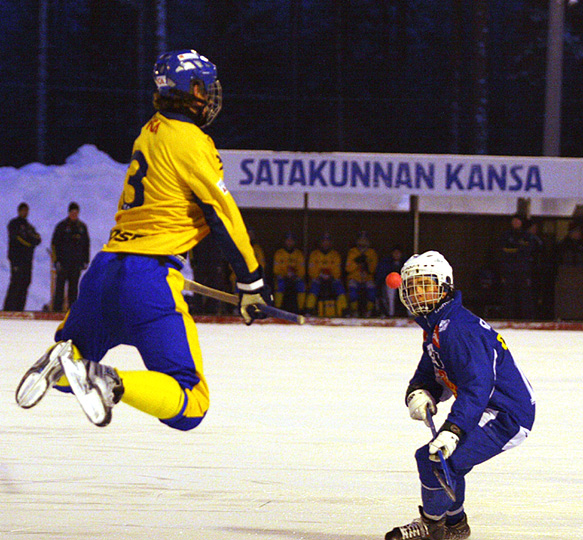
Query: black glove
x,y
250,298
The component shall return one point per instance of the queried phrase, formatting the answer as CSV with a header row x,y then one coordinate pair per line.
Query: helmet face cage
x,y
179,71
427,278
214,102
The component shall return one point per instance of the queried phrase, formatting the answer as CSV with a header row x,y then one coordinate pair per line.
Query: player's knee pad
x,y
194,409
182,423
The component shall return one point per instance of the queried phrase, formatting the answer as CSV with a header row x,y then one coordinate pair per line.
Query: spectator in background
x,y
289,271
486,298
388,301
540,268
22,239
570,249
536,242
361,265
257,249
70,253
326,296
516,271
568,275
209,267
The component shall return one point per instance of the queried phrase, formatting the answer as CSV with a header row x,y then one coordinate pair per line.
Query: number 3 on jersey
x,y
133,192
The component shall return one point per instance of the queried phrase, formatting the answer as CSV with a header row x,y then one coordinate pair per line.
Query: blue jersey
x,y
464,356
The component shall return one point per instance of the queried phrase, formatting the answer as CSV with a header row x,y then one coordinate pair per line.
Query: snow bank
x,y
89,177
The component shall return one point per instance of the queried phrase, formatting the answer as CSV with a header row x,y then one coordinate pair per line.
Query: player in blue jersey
x,y
494,406
173,197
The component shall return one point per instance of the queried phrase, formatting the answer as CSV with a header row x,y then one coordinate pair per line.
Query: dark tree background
x,y
419,76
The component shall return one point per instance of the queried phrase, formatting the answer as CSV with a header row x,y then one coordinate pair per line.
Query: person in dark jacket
x,y
22,239
570,249
70,248
494,407
389,304
209,267
516,271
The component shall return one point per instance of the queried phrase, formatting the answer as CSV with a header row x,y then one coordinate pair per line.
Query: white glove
x,y
250,296
248,307
446,441
418,401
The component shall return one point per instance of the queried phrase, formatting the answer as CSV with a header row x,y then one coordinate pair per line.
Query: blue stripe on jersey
x,y
221,235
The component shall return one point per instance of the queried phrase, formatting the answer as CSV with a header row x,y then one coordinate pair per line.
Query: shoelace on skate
x,y
414,530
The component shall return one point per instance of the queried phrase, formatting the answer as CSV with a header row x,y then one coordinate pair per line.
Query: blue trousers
x,y
355,286
335,285
481,444
297,284
136,300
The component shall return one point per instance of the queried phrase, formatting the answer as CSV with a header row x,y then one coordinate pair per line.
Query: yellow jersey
x,y
329,263
174,194
361,266
286,263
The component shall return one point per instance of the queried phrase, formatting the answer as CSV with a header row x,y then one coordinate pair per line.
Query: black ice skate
x,y
459,531
43,374
97,388
420,528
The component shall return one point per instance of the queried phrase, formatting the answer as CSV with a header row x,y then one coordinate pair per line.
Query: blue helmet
x,y
180,70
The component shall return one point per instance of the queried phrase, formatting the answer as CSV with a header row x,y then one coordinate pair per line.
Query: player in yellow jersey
x,y
173,196
289,271
326,296
361,264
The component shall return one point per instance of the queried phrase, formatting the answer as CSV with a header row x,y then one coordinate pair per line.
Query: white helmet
x,y
421,296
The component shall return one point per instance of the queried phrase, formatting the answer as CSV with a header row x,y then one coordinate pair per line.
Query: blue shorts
x,y
136,300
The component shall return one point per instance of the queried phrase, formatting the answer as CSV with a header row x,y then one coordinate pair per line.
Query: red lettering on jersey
x,y
435,338
153,125
443,376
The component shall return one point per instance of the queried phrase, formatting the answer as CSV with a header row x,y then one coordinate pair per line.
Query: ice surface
x,y
307,438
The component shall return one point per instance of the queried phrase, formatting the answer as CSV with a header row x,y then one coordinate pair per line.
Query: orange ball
x,y
394,280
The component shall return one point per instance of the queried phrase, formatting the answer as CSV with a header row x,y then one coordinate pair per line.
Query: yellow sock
x,y
157,394
278,299
301,300
152,392
311,300
62,381
341,305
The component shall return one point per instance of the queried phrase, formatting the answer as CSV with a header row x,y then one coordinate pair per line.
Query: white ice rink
x,y
307,438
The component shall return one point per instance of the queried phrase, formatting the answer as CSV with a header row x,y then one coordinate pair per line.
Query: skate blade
x,y
34,385
88,396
